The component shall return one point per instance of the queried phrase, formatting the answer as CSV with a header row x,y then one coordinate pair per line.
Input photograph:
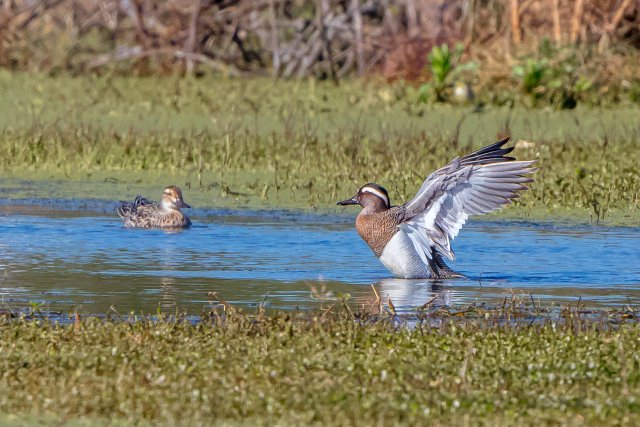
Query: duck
x,y
143,213
412,240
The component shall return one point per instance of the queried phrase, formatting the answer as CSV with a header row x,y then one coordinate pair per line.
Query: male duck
x,y
411,239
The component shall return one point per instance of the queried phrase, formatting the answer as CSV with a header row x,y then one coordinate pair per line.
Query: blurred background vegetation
x,y
220,93
532,52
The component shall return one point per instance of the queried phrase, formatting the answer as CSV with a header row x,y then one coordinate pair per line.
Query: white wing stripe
x,y
420,242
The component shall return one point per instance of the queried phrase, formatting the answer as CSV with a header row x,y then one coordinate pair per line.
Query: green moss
x,y
298,368
262,144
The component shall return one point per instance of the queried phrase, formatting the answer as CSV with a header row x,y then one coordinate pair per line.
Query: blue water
x,y
86,261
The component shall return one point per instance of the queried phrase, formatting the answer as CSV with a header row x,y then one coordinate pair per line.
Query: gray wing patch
x,y
475,184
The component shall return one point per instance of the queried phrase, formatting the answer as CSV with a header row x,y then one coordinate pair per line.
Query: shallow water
x,y
83,260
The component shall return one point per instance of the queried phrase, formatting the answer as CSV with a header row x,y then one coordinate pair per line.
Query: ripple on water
x,y
90,261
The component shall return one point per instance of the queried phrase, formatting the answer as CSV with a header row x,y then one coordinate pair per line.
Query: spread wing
x,y
475,184
126,209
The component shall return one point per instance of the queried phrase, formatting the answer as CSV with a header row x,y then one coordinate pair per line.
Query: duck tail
x,y
140,201
126,209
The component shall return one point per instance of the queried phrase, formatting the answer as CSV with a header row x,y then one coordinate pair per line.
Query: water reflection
x,y
407,295
168,302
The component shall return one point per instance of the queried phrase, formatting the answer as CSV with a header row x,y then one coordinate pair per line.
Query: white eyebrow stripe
x,y
376,192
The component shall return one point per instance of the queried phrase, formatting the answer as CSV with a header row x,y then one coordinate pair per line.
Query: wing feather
x,y
478,183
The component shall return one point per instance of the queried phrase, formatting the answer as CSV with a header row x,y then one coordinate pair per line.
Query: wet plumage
x,y
412,239
142,213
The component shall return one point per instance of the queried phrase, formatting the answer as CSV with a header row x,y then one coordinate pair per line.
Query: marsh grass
x,y
337,366
258,143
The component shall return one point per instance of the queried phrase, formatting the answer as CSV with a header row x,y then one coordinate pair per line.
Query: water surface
x,y
82,260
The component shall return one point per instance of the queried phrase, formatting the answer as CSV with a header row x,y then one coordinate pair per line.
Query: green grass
x,y
295,368
263,144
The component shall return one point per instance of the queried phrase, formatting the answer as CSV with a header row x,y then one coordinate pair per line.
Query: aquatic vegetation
x,y
260,143
324,367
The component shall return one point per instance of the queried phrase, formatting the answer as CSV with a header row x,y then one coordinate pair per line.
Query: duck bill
x,y
182,204
351,201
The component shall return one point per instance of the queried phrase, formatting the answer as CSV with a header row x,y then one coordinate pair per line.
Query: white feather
x,y
403,260
377,193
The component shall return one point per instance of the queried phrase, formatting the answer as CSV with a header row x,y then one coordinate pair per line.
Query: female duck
x,y
143,213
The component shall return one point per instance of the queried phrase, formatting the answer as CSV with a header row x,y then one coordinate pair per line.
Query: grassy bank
x,y
314,369
263,144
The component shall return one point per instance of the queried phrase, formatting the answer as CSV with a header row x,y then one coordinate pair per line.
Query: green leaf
x,y
518,70
554,84
424,93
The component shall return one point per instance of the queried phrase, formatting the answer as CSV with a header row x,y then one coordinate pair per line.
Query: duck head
x,y
372,197
172,199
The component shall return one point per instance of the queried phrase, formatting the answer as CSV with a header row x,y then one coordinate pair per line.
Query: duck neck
x,y
373,208
166,206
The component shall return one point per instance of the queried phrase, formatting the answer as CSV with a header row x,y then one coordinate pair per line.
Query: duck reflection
x,y
168,303
409,294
